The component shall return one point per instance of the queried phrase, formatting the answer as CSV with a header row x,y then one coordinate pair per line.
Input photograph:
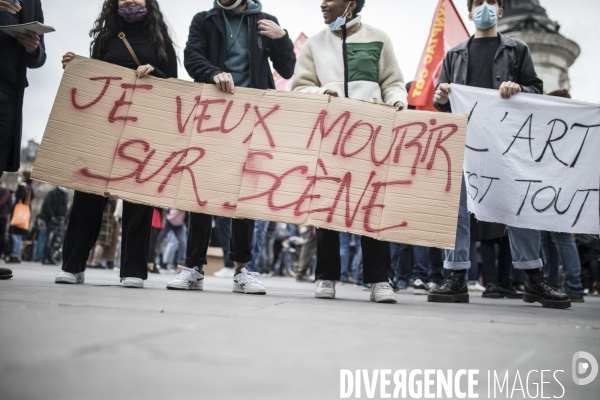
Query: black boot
x,y
492,291
538,289
575,297
5,273
453,289
507,290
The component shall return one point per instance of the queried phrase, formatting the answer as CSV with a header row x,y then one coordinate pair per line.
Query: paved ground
x,y
101,341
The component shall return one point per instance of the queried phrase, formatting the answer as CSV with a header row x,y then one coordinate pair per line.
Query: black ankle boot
x,y
538,289
492,291
453,289
506,289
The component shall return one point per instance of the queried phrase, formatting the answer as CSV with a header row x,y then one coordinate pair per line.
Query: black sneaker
x,y
5,273
453,289
492,291
538,289
575,297
507,290
420,287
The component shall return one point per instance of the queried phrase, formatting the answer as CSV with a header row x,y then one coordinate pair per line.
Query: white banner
x,y
532,161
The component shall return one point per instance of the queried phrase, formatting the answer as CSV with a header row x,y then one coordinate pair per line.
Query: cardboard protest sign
x,y
531,161
334,163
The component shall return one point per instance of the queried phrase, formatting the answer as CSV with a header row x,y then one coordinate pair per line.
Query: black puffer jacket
x,y
54,205
512,63
204,54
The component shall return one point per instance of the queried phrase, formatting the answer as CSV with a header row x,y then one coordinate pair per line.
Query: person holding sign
x,y
24,50
132,34
491,60
357,61
230,46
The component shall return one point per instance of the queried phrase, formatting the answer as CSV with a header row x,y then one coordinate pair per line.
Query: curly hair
x,y
109,24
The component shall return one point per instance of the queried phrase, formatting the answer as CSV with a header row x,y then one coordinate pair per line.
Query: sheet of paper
x,y
36,27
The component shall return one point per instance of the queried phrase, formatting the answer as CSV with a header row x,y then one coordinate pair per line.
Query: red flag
x,y
447,31
286,84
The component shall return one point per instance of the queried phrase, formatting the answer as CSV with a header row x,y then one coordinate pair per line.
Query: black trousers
x,y
84,228
8,121
240,247
3,224
375,254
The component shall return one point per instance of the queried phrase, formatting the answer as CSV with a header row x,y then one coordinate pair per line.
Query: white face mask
x,y
231,7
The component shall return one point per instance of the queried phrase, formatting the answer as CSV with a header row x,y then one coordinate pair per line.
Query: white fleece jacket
x,y
373,69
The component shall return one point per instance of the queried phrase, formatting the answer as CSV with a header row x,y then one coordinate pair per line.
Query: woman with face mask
x,y
353,60
141,23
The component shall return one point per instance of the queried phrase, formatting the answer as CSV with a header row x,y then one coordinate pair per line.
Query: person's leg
x,y
436,263
170,250
224,228
395,261
137,223
181,235
344,255
309,250
454,288
41,245
8,112
567,249
328,255
357,260
198,240
17,244
160,238
97,253
525,249
82,231
551,258
242,232
473,274
3,223
376,260
488,258
421,263
260,233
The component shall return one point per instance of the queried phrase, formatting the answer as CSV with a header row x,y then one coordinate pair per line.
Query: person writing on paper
x,y
24,50
493,61
354,60
142,24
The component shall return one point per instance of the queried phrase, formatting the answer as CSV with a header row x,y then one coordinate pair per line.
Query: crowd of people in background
x,y
232,45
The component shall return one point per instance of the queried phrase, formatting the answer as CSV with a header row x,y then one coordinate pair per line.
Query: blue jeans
x,y
345,239
172,246
524,243
17,243
428,265
557,247
260,234
40,246
181,235
401,264
357,260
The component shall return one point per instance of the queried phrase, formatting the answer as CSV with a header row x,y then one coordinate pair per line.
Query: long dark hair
x,y
109,24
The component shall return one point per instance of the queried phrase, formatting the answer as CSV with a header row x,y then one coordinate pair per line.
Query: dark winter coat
x,y
204,54
31,11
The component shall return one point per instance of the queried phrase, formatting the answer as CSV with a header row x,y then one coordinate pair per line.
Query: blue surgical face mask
x,y
485,16
334,26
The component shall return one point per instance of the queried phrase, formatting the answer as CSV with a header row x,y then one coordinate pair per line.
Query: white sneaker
x,y
325,290
133,283
188,279
382,292
474,286
225,273
420,288
246,282
67,277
